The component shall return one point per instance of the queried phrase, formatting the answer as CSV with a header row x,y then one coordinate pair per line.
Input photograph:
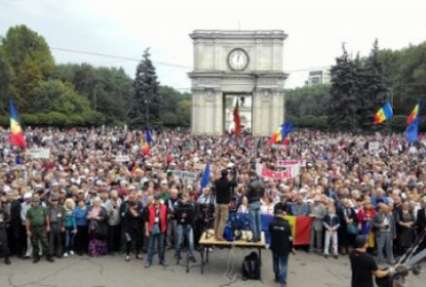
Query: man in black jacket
x,y
223,188
421,222
185,215
4,221
281,243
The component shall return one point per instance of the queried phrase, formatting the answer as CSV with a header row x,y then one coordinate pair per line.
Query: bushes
x,y
310,122
59,119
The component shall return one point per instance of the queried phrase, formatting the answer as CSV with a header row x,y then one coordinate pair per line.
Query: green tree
x,y
372,87
6,79
30,59
307,100
145,104
108,89
175,107
343,106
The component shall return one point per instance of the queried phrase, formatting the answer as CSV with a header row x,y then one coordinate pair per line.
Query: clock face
x,y
238,59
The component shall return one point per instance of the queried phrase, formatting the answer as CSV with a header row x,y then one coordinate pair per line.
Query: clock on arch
x,y
238,59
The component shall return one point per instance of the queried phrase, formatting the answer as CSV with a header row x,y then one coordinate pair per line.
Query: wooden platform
x,y
211,241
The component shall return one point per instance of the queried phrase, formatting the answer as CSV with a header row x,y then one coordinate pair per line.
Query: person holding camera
x,y
363,265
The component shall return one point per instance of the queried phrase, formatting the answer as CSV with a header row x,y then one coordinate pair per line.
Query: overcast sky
x,y
125,28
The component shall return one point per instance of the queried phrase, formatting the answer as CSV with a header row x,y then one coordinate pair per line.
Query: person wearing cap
x,y
4,222
281,243
155,229
385,227
363,265
56,215
37,224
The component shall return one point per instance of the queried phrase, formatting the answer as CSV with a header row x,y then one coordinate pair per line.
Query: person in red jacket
x,y
155,229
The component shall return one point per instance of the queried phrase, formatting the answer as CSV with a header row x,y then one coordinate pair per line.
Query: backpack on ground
x,y
251,267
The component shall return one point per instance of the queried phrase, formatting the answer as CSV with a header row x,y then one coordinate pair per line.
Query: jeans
x,y
156,240
171,232
280,264
255,220
331,236
184,232
55,241
69,239
384,241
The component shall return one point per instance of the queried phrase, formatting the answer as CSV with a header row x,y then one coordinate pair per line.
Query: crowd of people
x,y
101,191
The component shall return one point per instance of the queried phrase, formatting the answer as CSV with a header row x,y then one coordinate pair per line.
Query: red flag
x,y
237,119
303,230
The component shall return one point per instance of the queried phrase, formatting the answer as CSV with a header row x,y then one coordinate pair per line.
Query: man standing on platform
x,y
223,188
281,243
255,193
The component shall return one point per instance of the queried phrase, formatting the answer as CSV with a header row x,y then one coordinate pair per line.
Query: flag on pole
x,y
237,119
413,116
383,114
147,143
205,177
412,131
281,134
16,136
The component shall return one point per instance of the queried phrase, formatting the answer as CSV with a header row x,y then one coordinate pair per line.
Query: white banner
x,y
39,153
185,175
293,166
373,147
122,158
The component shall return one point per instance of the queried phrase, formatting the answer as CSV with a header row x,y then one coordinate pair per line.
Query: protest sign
x,y
293,166
122,158
185,175
272,174
39,153
373,147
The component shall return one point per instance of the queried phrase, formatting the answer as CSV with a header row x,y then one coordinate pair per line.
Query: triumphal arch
x,y
243,68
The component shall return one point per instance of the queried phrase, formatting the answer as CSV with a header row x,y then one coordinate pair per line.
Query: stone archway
x,y
232,63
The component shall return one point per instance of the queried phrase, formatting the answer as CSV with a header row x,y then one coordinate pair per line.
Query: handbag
x,y
352,229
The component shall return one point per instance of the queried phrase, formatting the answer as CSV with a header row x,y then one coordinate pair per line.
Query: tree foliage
x,y
107,89
145,104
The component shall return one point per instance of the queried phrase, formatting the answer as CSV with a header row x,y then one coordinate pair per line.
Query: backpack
x,y
251,267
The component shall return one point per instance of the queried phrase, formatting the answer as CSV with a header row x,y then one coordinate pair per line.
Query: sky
x,y
316,29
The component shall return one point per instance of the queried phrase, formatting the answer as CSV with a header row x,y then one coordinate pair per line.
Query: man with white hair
x,y
25,206
384,223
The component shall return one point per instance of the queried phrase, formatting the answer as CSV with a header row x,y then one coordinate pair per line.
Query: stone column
x,y
207,111
268,111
